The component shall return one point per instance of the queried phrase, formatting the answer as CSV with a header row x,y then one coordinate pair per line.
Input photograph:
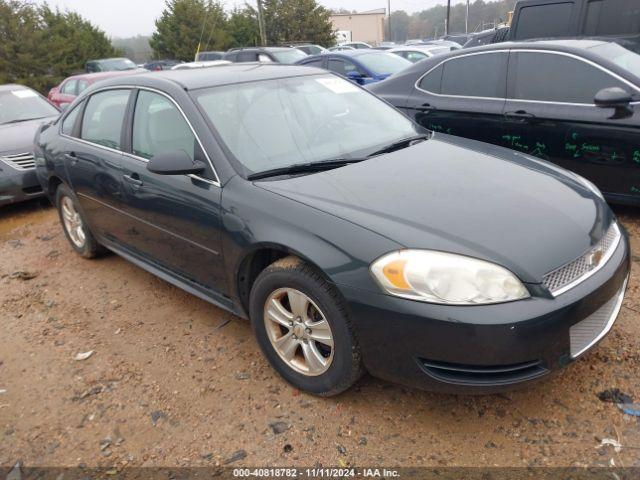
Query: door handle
x,y
133,179
520,115
425,107
71,156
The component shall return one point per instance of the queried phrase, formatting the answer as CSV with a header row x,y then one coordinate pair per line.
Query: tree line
x,y
430,23
40,46
188,25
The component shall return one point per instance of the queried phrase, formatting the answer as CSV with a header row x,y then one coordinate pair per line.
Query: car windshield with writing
x,y
278,123
22,104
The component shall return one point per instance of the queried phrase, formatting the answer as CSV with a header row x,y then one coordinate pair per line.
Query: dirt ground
x,y
174,381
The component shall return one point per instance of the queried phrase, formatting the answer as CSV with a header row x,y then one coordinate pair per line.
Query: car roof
x,y
13,86
97,76
356,53
196,78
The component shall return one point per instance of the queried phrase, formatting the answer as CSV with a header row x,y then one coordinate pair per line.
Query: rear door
x,y
93,159
173,221
464,96
550,113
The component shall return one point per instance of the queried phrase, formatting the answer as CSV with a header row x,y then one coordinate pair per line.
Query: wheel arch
x,y
256,259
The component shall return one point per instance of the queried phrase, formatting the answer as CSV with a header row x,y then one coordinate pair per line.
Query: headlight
x,y
446,278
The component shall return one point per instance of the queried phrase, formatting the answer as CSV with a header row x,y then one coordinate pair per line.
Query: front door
x,y
173,220
550,113
463,96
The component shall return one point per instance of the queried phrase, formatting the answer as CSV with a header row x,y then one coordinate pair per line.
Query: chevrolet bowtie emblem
x,y
594,259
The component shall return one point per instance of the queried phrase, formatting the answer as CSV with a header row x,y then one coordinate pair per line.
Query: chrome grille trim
x,y
571,274
20,161
586,333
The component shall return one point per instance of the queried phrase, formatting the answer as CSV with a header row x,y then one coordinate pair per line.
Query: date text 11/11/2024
x,y
316,472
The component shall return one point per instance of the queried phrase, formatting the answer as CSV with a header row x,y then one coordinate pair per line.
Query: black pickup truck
x,y
575,18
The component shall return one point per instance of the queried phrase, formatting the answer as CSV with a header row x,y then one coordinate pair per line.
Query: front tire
x,y
303,328
74,226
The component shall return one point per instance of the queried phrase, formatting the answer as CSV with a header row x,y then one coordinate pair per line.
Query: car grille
x,y
562,279
583,335
21,161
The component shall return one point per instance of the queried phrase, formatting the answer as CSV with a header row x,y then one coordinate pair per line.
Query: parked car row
x,y
572,102
22,111
353,238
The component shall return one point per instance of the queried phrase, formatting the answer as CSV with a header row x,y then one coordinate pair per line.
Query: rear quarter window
x,y
540,21
612,17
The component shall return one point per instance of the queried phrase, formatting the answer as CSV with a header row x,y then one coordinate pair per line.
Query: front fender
x,y
255,218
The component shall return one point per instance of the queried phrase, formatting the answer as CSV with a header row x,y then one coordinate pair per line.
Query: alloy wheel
x,y
72,222
299,332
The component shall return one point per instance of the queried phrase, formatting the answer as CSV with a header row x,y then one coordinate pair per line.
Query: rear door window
x,y
103,118
541,21
481,75
612,17
557,78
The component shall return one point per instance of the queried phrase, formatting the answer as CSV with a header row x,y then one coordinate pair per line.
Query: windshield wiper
x,y
18,120
305,168
405,142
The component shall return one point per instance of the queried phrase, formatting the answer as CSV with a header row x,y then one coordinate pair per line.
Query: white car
x,y
415,53
210,63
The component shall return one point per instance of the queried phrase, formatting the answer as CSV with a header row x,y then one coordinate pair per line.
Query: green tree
x,y
71,41
186,24
242,25
39,47
297,21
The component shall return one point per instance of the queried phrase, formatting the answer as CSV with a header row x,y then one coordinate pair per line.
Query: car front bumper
x,y
487,348
18,185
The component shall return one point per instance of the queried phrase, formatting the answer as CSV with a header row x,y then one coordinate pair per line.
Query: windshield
x,y
23,104
383,63
278,123
619,55
288,56
117,65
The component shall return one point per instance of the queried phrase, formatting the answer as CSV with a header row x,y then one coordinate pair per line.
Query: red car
x,y
71,87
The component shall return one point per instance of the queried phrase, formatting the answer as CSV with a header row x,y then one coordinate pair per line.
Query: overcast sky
x,y
126,18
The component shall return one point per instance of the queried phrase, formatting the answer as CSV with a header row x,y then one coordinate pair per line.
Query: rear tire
x,y
303,328
74,226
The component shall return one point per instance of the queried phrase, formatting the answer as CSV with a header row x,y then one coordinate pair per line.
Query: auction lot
x,y
175,381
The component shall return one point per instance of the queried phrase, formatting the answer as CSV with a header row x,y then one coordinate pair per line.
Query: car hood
x,y
466,197
18,137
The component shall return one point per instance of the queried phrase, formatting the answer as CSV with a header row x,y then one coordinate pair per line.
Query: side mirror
x,y
174,163
612,97
355,76
615,97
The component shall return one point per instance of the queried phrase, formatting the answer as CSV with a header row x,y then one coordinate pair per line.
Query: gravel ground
x,y
174,381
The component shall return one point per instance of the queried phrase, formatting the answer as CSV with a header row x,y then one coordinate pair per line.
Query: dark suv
x,y
285,55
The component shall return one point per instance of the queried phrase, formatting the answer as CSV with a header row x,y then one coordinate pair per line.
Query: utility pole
x,y
446,23
466,20
389,18
263,33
